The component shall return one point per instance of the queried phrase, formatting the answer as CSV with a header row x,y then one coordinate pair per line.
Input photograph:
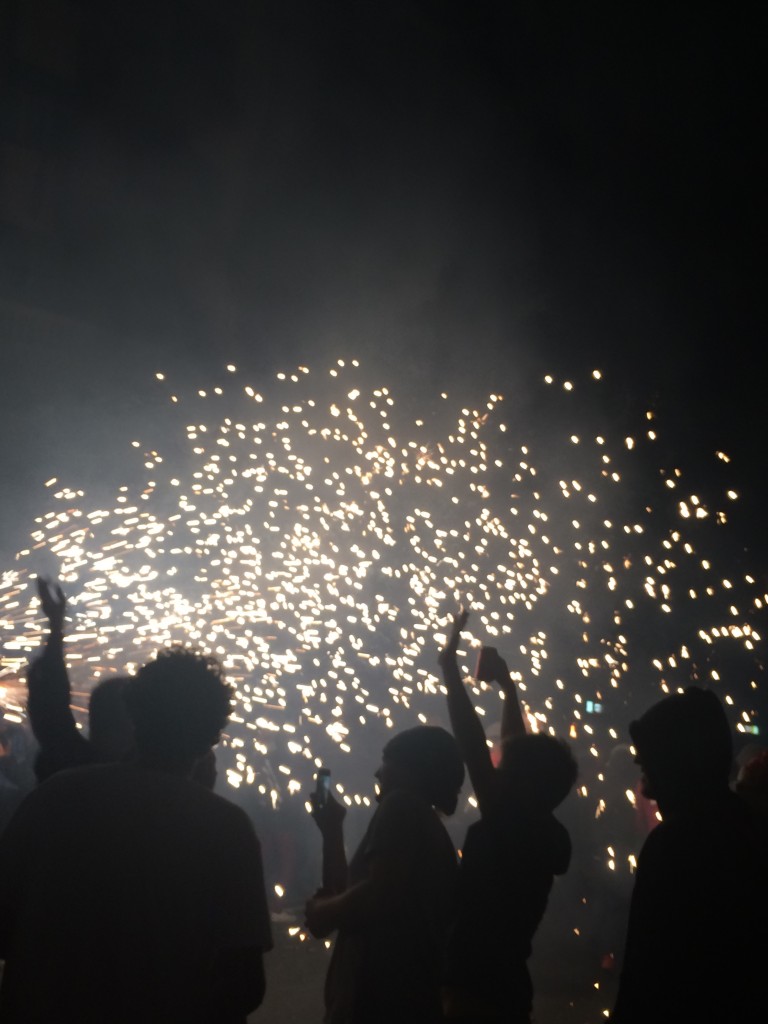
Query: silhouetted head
x,y
110,728
179,703
684,747
538,770
426,760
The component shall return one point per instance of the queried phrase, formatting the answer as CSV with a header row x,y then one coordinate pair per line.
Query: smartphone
x,y
482,672
322,786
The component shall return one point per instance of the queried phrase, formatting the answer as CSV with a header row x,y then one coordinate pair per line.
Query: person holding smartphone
x,y
391,906
510,856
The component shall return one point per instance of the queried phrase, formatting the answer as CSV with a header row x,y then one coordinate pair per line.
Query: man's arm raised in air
x,y
48,693
466,725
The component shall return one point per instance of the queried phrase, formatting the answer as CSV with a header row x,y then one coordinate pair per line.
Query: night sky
x,y
461,195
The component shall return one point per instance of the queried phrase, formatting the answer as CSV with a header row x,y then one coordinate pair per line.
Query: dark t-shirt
x,y
508,864
388,970
697,946
119,887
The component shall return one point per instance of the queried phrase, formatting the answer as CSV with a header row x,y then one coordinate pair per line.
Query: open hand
x,y
53,601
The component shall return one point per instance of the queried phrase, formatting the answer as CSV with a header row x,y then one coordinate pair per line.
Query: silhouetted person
x,y
510,856
696,941
60,743
110,729
392,906
129,892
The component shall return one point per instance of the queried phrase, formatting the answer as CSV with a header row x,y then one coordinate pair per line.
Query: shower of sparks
x,y
318,545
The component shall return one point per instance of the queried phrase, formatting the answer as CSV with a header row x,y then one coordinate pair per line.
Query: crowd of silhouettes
x,y
131,892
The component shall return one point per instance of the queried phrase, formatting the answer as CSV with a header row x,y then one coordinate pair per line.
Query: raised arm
x,y
493,667
48,694
329,818
54,605
466,725
325,910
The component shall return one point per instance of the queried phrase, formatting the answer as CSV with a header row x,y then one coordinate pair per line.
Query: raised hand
x,y
448,653
491,667
465,721
328,816
53,601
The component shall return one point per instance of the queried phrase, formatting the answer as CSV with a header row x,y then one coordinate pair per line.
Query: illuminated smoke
x,y
318,544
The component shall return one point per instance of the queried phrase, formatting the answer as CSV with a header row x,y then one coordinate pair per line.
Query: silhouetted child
x,y
510,856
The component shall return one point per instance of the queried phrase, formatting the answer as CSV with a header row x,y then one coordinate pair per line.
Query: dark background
x,y
462,194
